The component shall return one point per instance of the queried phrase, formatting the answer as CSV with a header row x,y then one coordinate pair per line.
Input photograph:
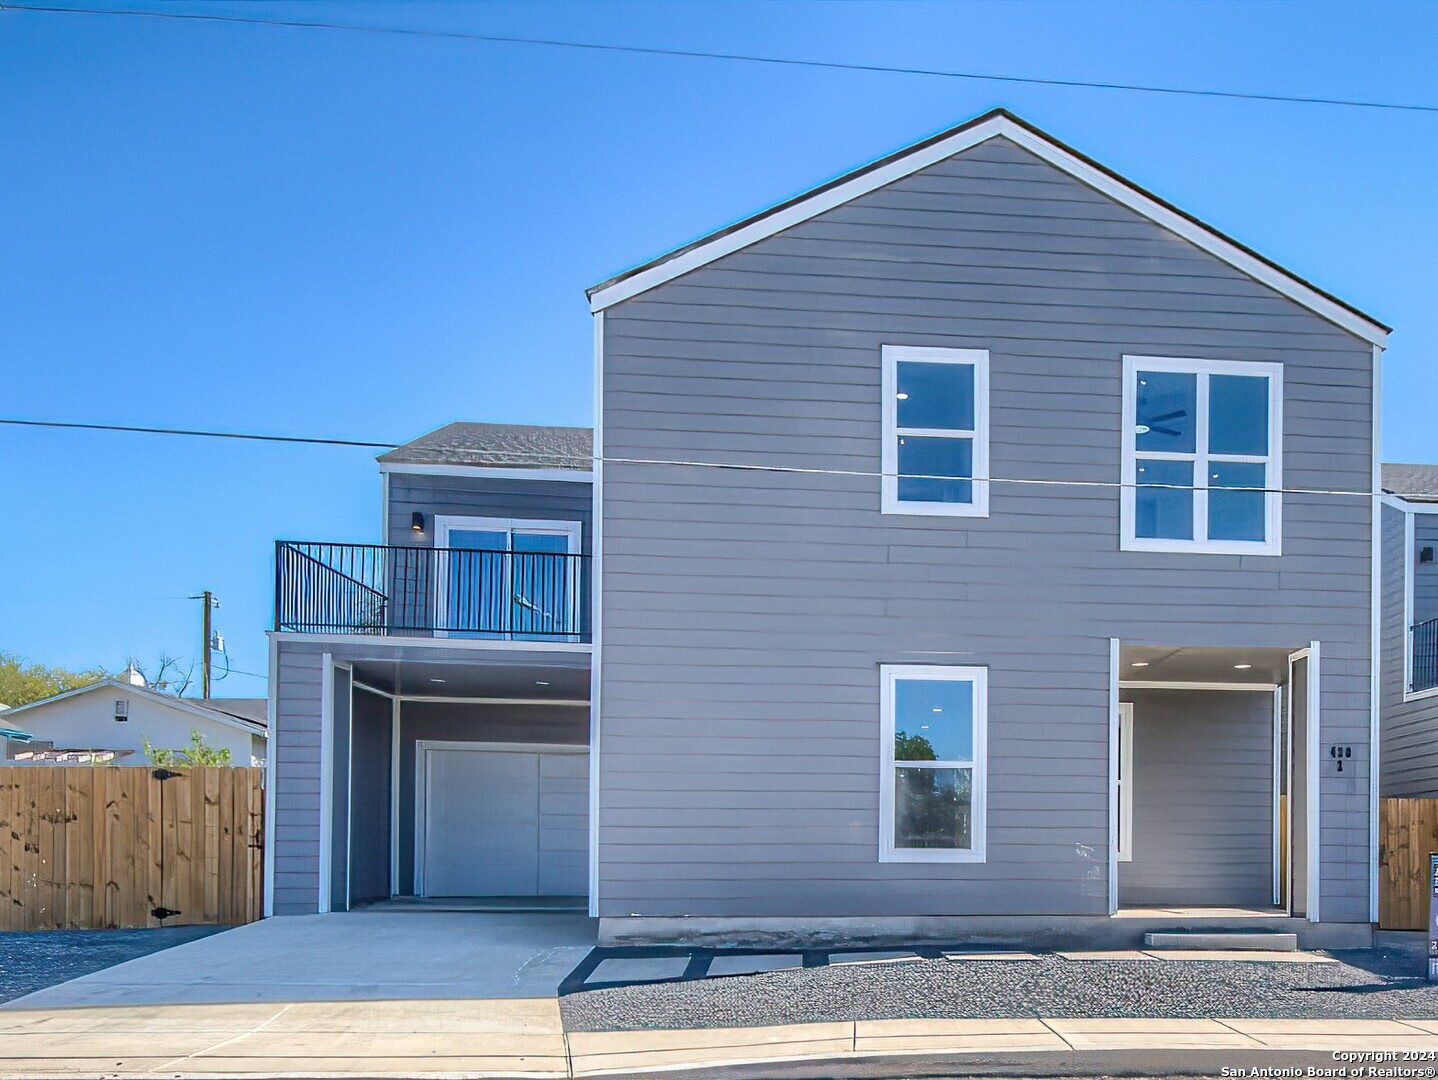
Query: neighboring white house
x,y
109,721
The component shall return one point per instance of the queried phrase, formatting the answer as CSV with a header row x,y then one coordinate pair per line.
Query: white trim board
x,y
1114,734
1278,844
596,610
1123,780
995,124
1375,677
396,641
1258,688
491,472
1315,778
327,780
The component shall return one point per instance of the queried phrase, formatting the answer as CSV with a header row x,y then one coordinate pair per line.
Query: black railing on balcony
x,y
431,592
1424,643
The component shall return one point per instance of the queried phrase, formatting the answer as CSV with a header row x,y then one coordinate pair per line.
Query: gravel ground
x,y
1382,982
33,961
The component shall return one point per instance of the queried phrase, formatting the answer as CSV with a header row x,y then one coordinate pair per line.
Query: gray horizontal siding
x,y
295,743
484,496
480,496
1409,728
1203,799
746,613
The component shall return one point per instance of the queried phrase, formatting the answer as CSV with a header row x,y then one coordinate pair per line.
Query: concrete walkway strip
x,y
1151,1034
992,956
624,1052
1106,954
954,1036
1337,1034
1242,956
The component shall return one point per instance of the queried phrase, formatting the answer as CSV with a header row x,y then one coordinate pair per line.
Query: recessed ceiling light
x,y
938,710
540,682
436,680
1139,663
1241,667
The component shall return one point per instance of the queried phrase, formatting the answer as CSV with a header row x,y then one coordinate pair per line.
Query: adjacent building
x,y
111,721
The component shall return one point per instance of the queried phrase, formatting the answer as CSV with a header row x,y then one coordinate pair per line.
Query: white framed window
x,y
1420,602
933,735
1124,782
1202,456
935,456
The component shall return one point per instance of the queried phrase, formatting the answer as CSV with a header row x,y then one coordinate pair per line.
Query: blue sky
x,y
341,234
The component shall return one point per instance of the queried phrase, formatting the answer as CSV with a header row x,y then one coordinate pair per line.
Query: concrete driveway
x,y
364,993
355,956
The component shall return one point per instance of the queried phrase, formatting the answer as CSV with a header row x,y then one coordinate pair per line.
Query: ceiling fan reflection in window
x,y
1155,421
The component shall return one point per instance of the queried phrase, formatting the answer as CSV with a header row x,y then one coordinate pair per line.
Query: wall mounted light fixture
x,y
416,521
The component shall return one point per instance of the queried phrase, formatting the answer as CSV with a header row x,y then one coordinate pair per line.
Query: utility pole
x,y
207,639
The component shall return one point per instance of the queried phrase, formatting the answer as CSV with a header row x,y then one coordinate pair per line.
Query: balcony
x,y
1423,641
374,589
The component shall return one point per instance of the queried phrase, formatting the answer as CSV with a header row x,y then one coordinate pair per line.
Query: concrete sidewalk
x,y
492,1037
524,1038
1033,1046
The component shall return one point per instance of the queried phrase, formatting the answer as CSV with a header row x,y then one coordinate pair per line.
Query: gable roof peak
x,y
992,124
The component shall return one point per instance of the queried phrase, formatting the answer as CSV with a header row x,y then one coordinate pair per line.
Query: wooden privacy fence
x,y
1407,833
103,847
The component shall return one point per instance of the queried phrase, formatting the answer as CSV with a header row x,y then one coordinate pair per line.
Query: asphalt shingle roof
x,y
1416,483
499,446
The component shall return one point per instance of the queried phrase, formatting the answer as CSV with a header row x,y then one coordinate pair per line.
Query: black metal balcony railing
x,y
1424,639
431,592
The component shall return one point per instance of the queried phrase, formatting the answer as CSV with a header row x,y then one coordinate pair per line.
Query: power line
x,y
540,459
698,54
200,433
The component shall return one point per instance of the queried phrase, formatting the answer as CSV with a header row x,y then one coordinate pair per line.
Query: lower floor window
x,y
933,732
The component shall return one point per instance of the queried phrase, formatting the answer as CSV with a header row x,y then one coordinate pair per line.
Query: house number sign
x,y
1433,917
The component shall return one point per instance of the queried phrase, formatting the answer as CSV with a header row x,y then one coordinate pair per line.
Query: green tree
x,y
913,748
22,683
198,755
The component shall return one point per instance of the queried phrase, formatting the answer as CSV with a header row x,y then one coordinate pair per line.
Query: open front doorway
x,y
1213,766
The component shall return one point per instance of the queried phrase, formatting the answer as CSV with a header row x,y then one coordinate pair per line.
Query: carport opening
x,y
460,786
1212,813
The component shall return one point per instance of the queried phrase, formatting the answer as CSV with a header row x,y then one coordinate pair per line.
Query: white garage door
x,y
503,822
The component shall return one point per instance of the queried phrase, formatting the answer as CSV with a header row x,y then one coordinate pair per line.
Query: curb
x,y
1066,1046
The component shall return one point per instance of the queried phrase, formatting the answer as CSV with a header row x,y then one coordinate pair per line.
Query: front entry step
x,y
1219,939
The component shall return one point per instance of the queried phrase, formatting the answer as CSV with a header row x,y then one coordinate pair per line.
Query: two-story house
x,y
982,548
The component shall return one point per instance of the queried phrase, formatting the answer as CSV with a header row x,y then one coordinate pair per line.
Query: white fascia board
x,y
1375,646
382,643
578,476
924,156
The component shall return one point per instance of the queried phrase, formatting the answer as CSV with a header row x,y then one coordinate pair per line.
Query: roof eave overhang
x,y
932,150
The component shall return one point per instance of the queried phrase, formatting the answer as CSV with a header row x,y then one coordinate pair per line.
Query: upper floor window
x,y
1421,601
1202,455
936,431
